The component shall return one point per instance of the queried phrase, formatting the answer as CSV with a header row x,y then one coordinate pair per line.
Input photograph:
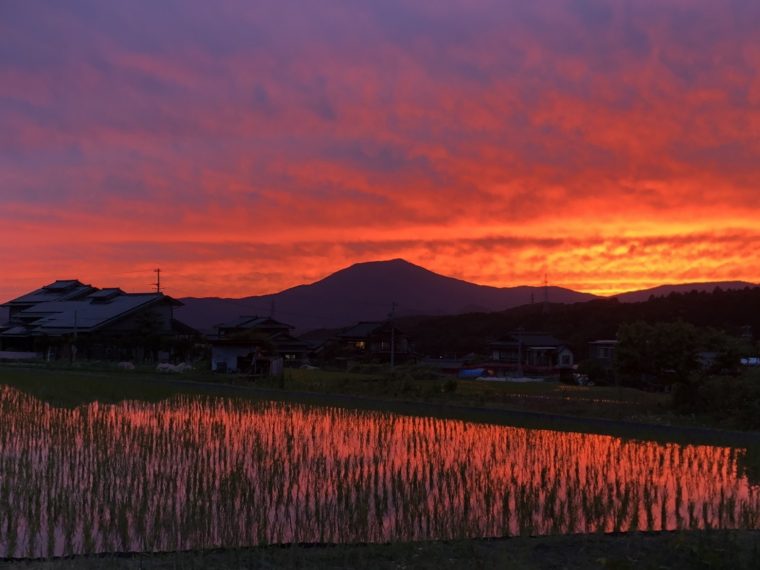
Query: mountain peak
x,y
397,262
393,269
370,291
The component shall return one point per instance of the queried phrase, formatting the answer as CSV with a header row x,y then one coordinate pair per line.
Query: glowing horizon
x,y
148,285
245,149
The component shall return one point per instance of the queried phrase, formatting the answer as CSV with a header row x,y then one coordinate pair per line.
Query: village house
x,y
531,352
373,338
603,352
69,319
256,345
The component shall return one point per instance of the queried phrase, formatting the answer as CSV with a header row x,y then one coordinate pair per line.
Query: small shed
x,y
244,357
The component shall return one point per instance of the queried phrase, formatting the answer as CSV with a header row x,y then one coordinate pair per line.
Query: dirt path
x,y
729,550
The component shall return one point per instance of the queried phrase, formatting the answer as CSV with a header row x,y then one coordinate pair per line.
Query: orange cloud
x,y
613,145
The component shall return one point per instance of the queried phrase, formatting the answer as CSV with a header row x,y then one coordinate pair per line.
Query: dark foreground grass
x,y
546,405
549,397
730,550
84,383
75,386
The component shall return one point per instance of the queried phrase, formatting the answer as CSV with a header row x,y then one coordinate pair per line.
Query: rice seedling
x,y
202,472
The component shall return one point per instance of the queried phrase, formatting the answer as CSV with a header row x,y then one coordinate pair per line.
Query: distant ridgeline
x,y
736,312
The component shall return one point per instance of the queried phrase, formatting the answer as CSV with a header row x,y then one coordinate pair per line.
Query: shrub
x,y
734,400
596,372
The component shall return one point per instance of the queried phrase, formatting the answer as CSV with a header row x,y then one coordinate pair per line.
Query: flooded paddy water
x,y
197,472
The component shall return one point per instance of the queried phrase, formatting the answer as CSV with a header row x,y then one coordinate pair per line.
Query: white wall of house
x,y
565,358
277,367
224,358
9,356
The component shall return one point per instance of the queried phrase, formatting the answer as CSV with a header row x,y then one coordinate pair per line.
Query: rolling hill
x,y
664,290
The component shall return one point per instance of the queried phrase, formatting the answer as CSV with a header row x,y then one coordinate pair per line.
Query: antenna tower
x,y
157,271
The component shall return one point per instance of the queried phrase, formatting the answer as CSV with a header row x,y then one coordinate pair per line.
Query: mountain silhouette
x,y
367,291
664,290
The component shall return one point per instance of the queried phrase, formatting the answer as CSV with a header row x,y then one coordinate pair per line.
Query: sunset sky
x,y
245,146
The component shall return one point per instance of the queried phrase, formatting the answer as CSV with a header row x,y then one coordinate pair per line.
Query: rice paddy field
x,y
194,472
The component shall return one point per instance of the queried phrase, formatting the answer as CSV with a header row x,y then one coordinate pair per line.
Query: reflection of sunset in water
x,y
202,472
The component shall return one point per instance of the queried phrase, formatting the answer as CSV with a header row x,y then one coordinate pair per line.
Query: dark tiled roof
x,y
240,322
108,293
61,290
528,339
361,330
253,322
58,317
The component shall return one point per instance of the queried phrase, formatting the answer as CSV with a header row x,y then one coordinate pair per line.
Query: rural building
x,y
319,342
534,352
69,319
255,344
62,290
242,356
603,352
373,338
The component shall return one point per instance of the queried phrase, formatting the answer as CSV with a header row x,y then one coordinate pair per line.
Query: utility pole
x,y
73,349
546,293
520,373
157,271
393,334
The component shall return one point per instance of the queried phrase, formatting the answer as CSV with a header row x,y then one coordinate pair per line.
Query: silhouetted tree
x,y
658,354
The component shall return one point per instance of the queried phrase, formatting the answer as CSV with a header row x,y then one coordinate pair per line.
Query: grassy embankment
x,y
79,384
729,550
612,410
